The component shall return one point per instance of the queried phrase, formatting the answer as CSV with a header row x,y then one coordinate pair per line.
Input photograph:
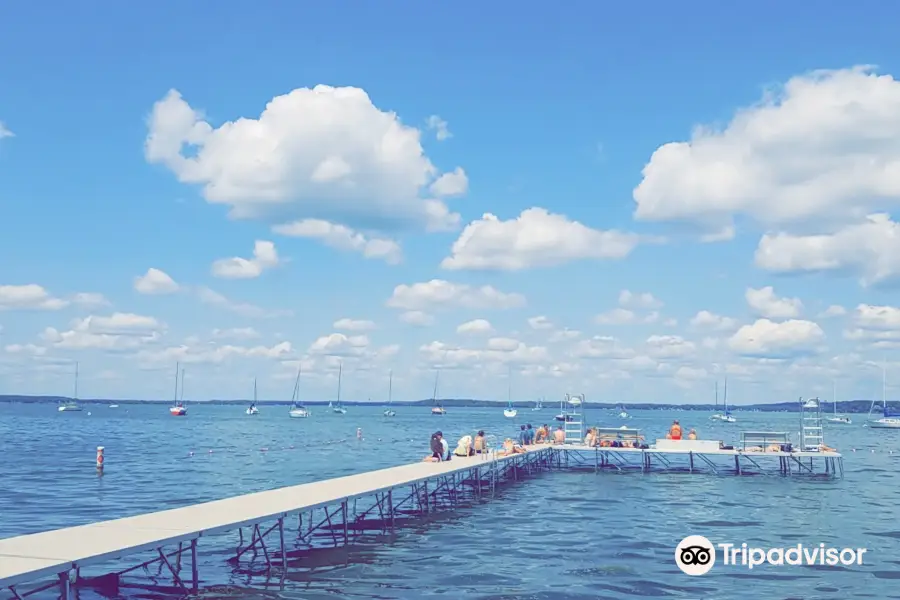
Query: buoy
x,y
99,458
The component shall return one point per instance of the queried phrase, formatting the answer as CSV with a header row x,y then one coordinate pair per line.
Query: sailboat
x,y
623,414
297,410
889,420
178,409
71,405
252,410
509,412
389,412
838,419
723,416
437,408
339,408
539,404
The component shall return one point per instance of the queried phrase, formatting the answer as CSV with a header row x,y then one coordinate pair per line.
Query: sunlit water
x,y
560,535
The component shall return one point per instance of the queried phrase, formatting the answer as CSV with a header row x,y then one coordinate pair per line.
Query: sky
x,y
630,202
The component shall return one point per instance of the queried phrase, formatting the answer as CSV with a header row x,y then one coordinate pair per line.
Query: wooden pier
x,y
324,513
328,514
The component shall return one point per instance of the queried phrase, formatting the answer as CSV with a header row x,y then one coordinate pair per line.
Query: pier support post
x,y
195,578
65,590
281,540
390,499
344,519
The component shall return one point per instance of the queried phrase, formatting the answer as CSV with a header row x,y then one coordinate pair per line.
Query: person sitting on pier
x,y
437,448
590,439
511,448
480,445
674,431
445,447
529,435
464,446
523,436
559,436
692,434
543,434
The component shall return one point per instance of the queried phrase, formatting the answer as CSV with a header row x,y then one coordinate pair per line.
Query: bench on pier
x,y
624,436
765,441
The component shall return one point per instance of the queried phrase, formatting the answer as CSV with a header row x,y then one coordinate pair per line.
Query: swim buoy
x,y
99,457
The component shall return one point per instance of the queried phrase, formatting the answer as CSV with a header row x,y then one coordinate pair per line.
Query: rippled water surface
x,y
559,535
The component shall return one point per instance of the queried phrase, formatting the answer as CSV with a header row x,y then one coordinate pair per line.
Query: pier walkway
x,y
328,514
411,489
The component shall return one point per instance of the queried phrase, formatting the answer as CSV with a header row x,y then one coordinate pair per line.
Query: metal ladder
x,y
812,434
574,413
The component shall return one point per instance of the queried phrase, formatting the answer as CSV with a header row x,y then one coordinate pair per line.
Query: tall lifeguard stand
x,y
573,410
812,434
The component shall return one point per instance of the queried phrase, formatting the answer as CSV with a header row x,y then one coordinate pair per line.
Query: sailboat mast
x,y
390,386
725,397
509,386
254,390
437,374
76,380
182,387
296,394
177,373
340,374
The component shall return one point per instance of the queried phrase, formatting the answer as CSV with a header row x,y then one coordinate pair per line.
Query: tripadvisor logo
x,y
696,555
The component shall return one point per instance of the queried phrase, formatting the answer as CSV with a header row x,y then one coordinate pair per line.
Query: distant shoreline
x,y
847,406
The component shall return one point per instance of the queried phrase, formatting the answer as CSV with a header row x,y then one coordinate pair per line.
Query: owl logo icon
x,y
695,555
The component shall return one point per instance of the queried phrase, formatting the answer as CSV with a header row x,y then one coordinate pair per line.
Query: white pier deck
x,y
28,558
58,554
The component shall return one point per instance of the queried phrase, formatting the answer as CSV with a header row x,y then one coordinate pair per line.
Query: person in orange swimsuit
x,y
675,431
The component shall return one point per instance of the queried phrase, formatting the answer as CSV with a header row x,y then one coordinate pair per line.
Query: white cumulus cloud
x,y
536,238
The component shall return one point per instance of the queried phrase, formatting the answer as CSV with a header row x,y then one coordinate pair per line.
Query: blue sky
x,y
694,157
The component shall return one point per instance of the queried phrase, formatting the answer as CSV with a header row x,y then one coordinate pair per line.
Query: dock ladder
x,y
812,435
573,410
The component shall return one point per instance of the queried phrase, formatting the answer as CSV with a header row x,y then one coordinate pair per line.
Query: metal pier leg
x,y
281,539
65,590
346,530
391,508
425,485
195,579
691,454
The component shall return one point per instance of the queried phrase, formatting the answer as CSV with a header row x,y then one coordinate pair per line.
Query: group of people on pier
x,y
470,446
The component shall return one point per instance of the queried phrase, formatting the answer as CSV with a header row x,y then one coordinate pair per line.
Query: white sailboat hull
x,y
69,408
390,413
177,411
298,413
252,411
340,411
624,415
509,413
723,418
438,411
885,423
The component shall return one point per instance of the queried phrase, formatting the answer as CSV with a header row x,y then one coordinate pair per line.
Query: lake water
x,y
559,535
